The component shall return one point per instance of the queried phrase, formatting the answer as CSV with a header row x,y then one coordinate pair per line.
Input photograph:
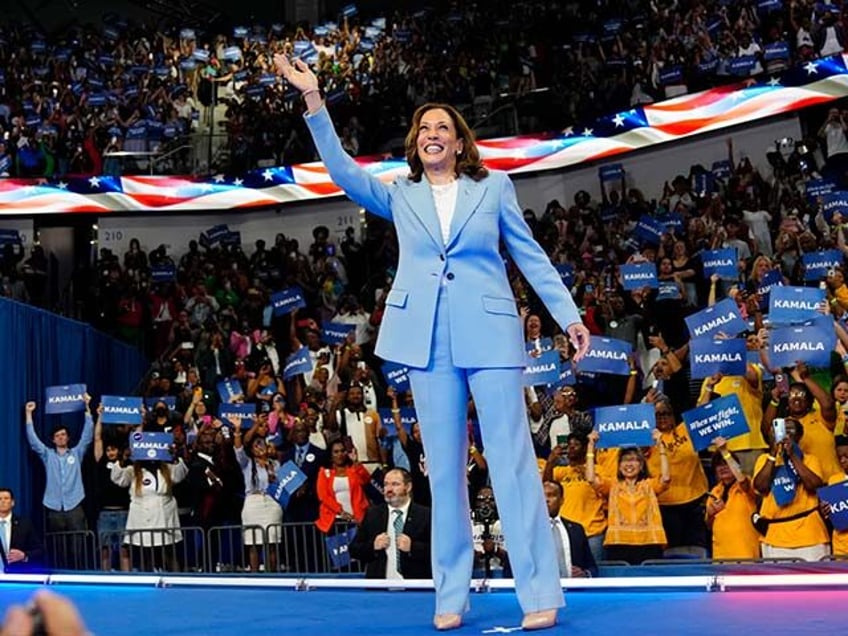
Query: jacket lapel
x,y
420,200
468,198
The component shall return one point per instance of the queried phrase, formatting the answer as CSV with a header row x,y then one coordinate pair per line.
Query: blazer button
x,y
450,276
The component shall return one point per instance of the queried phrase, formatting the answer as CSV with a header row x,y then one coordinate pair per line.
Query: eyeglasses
x,y
484,498
798,393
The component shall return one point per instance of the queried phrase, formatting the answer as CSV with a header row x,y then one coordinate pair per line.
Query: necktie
x,y
3,537
560,551
301,452
397,523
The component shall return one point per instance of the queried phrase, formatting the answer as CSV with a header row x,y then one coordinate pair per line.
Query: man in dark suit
x,y
393,540
577,561
22,546
302,510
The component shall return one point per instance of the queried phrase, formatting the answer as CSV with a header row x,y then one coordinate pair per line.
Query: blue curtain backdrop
x,y
40,349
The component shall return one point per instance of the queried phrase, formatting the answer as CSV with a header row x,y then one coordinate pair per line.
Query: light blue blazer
x,y
485,329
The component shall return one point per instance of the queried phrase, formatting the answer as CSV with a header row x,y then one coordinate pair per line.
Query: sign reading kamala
x,y
229,390
721,417
153,447
397,375
68,398
649,229
816,264
606,355
810,343
543,369
723,317
247,413
833,203
539,345
566,273
837,496
336,333
287,301
723,262
298,362
639,275
709,356
121,410
773,278
626,425
791,305
289,479
408,417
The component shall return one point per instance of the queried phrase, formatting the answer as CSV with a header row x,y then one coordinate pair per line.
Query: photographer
x,y
490,557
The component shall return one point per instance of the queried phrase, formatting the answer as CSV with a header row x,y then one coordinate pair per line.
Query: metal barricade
x,y
75,550
229,548
157,549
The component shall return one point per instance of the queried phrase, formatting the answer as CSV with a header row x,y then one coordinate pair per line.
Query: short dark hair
x,y
404,473
556,485
840,440
58,429
8,490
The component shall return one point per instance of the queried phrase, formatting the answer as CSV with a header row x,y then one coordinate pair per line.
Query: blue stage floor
x,y
215,611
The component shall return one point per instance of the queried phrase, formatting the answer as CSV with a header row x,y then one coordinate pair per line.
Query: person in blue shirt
x,y
64,492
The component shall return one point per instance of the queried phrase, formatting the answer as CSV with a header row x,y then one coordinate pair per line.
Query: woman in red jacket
x,y
341,488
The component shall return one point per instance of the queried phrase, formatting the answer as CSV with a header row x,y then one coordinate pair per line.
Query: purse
x,y
762,523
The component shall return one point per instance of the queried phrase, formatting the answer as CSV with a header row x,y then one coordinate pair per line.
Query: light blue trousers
x,y
441,398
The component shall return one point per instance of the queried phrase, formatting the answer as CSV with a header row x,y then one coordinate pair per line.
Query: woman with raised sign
x,y
450,301
634,524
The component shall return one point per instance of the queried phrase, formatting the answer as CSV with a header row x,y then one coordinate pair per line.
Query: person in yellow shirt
x,y
580,502
682,503
787,478
634,528
818,423
839,538
730,506
749,390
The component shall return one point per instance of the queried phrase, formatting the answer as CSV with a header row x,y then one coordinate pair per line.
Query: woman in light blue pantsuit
x,y
452,318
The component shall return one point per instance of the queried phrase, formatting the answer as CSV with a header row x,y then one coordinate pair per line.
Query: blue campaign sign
x,y
228,412
837,497
566,273
776,50
169,400
625,425
543,369
816,264
742,65
612,172
810,343
287,301
792,305
772,278
539,345
649,230
671,75
722,417
639,275
397,375
834,202
668,290
153,447
723,317
338,548
722,262
567,376
336,333
67,398
606,355
819,187
229,390
163,273
722,169
298,362
709,356
289,479
408,417
121,410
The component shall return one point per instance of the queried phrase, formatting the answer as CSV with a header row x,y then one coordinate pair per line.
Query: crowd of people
x,y
343,420
72,100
